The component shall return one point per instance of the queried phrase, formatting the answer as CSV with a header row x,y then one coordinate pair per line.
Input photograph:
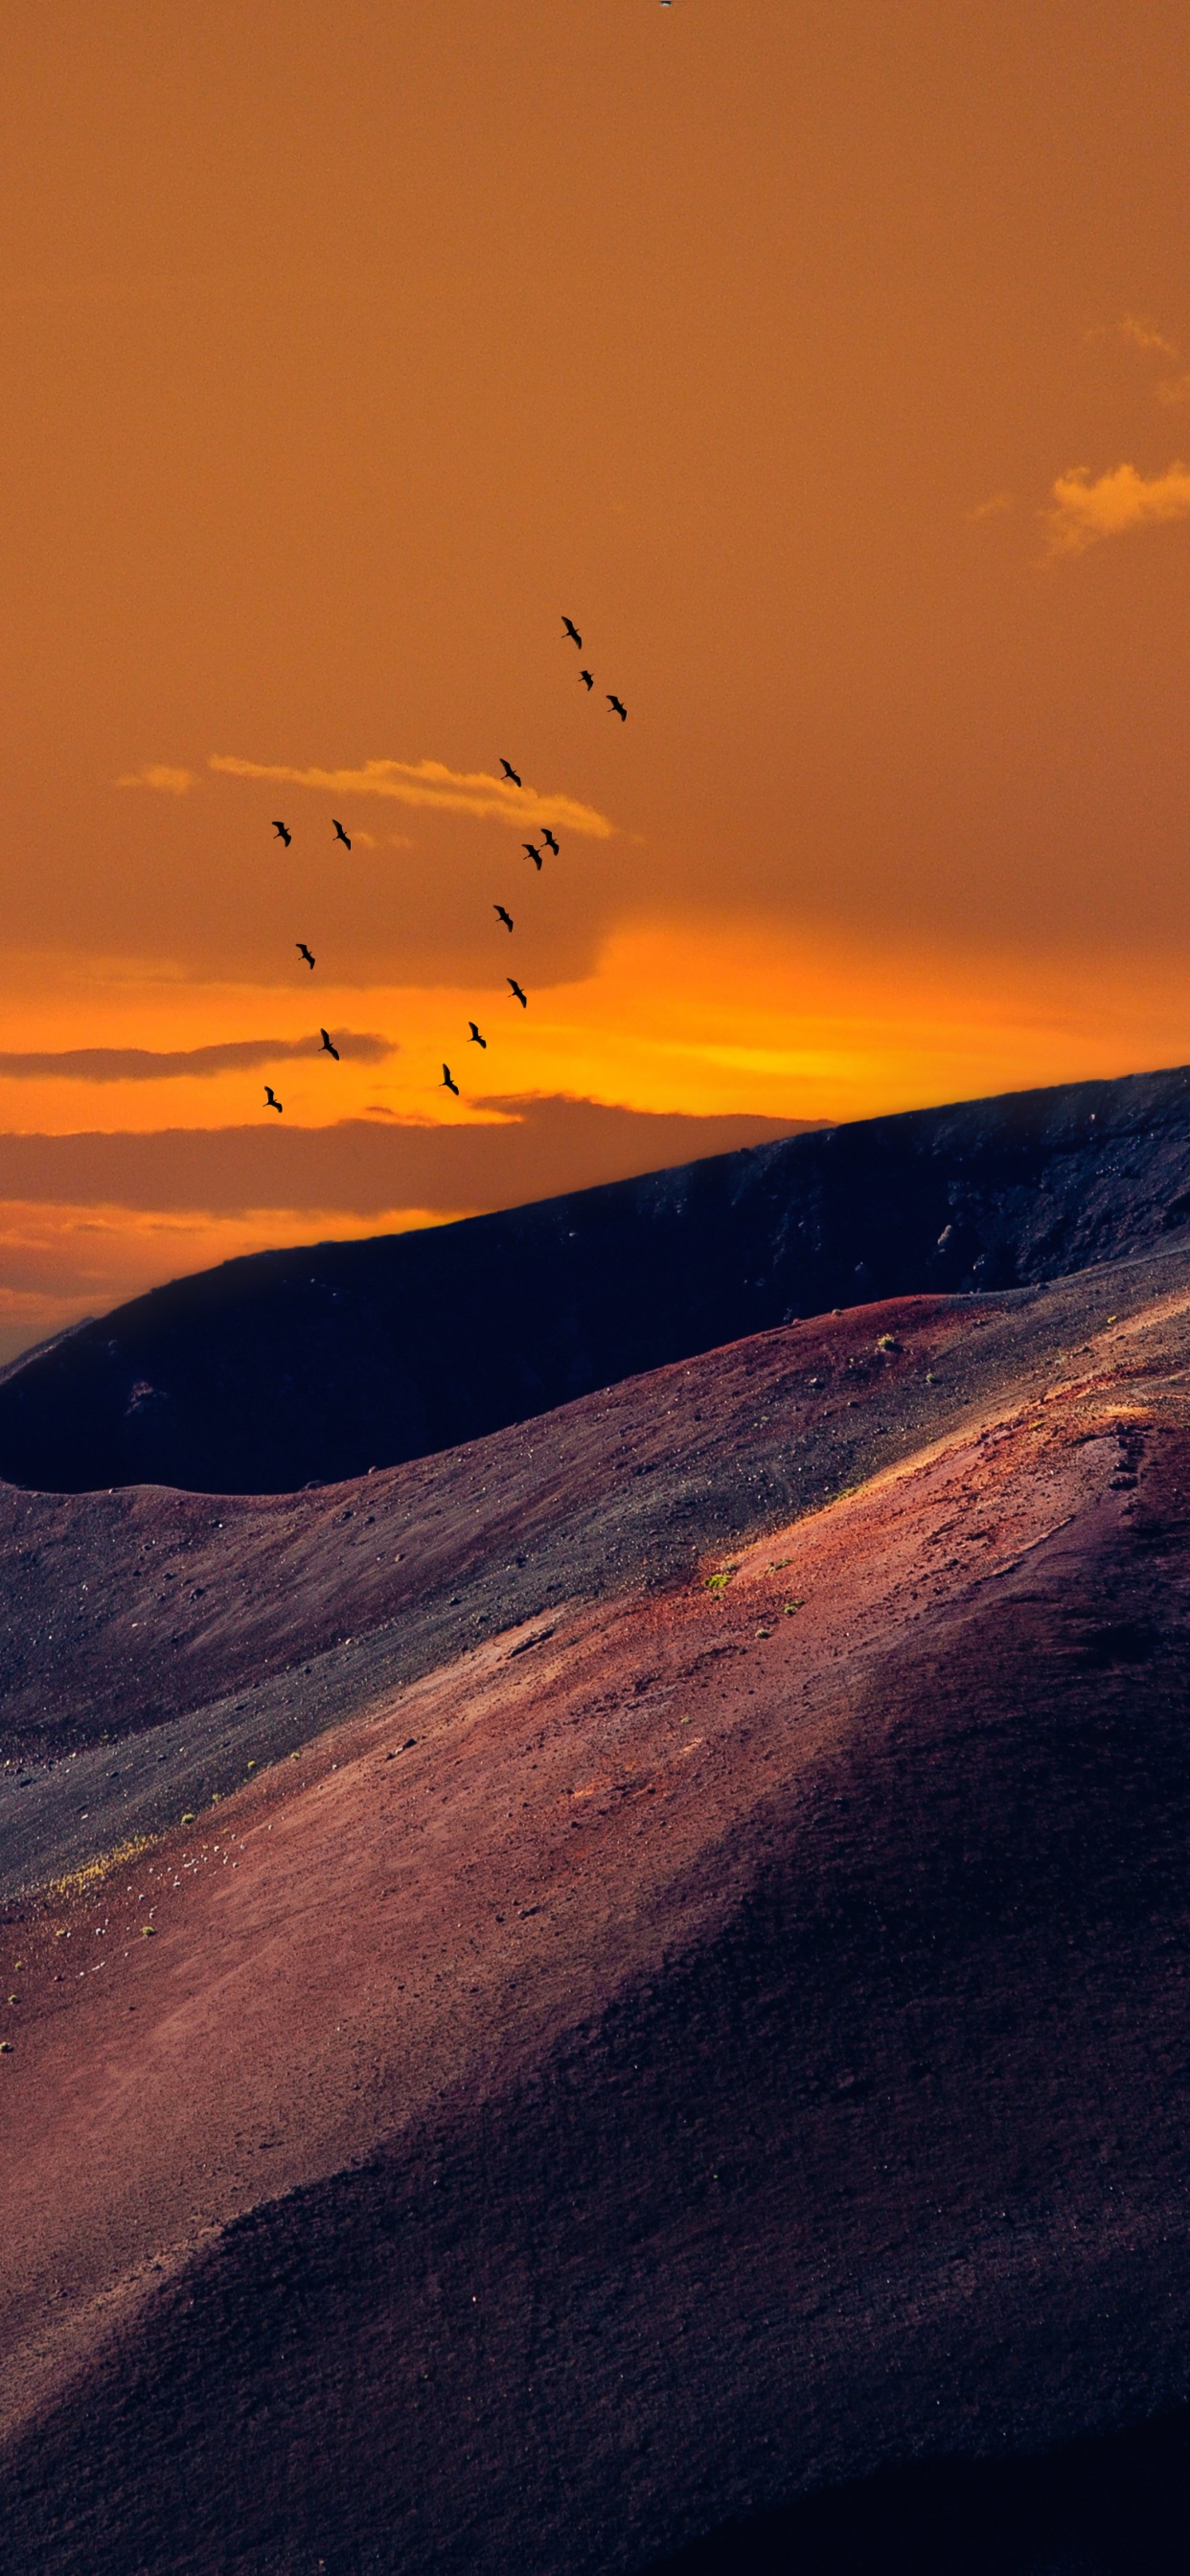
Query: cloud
x,y
144,1064
1145,335
1085,511
993,508
430,784
538,1147
168,782
1139,332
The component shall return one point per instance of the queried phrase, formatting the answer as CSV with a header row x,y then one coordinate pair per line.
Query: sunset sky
x,y
827,361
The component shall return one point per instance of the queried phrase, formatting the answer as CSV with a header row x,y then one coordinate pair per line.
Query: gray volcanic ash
x,y
695,2047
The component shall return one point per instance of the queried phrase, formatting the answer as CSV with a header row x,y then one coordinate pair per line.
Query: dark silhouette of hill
x,y
321,1362
680,2056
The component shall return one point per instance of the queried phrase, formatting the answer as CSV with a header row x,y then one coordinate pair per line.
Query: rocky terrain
x,y
603,1998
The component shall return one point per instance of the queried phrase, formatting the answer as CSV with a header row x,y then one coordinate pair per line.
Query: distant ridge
x,y
320,1362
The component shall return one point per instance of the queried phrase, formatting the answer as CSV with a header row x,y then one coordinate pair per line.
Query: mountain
x,y
318,1363
583,1996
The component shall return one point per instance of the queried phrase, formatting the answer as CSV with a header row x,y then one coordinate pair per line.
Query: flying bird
x,y
509,771
515,990
587,680
475,1038
447,1083
340,834
502,915
532,853
550,843
303,951
271,1101
572,631
282,833
327,1047
619,709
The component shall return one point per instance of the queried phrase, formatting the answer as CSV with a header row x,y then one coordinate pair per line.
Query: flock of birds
x,y
532,851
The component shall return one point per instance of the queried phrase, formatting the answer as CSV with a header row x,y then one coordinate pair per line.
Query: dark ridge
x,y
1115,2505
322,1362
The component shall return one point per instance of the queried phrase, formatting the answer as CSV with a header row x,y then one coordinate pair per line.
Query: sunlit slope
x,y
683,2050
154,1642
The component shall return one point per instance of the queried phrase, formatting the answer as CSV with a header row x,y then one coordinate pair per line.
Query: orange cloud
x,y
1145,335
154,1064
168,782
1084,511
429,783
995,507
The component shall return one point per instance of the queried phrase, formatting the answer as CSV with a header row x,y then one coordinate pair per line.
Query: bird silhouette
x,y
619,709
282,833
572,631
447,1083
475,1038
303,951
550,842
271,1101
327,1047
531,853
510,772
586,678
502,915
515,990
340,834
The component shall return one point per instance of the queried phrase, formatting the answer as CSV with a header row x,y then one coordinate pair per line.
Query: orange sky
x,y
829,364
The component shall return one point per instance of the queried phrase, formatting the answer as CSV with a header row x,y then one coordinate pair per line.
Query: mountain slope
x,y
154,1643
327,1360
738,2041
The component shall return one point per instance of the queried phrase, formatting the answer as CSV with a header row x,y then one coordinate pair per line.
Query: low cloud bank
x,y
363,1167
145,1064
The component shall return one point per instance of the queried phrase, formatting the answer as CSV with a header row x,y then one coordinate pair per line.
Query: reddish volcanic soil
x,y
690,2047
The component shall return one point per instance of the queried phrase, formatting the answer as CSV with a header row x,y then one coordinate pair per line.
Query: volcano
x,y
611,1995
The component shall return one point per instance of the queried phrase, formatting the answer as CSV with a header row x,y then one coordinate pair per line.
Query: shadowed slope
x,y
325,1361
739,2042
1116,2505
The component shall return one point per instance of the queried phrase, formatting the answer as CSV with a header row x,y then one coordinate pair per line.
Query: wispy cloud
x,y
1144,335
146,1064
168,782
1139,332
1084,510
428,783
995,507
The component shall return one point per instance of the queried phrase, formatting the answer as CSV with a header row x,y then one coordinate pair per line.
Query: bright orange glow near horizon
x,y
829,367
